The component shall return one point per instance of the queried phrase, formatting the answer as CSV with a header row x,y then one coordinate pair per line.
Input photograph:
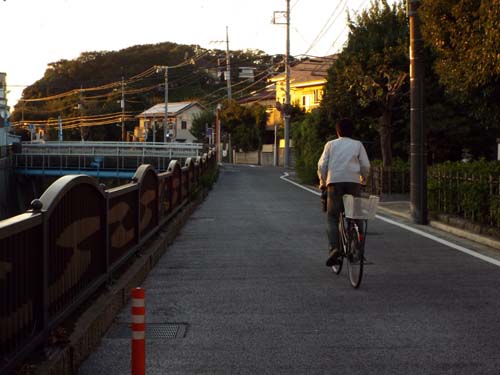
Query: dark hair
x,y
345,128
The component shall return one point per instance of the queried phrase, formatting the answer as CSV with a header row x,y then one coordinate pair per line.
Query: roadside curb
x,y
480,239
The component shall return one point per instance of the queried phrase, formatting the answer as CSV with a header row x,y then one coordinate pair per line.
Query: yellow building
x,y
307,83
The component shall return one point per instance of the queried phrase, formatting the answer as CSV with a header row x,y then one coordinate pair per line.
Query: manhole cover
x,y
153,331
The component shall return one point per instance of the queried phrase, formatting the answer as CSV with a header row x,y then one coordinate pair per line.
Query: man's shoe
x,y
333,258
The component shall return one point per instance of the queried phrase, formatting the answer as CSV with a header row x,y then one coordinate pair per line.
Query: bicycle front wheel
x,y
355,256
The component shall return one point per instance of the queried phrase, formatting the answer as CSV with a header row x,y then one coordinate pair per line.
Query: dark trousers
x,y
335,206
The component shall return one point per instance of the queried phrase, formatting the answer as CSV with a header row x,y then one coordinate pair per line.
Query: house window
x,y
183,124
305,101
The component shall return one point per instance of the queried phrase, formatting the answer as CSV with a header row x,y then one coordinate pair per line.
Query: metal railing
x,y
383,180
82,156
173,150
54,256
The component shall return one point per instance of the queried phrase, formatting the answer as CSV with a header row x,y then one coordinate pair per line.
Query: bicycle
x,y
352,237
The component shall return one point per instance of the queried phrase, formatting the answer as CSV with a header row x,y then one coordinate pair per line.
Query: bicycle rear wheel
x,y
355,256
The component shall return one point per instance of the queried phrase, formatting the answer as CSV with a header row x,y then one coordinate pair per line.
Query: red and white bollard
x,y
138,332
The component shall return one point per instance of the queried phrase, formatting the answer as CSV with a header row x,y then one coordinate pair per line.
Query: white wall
x,y
187,116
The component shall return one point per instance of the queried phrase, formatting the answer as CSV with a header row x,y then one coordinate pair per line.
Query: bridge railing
x,y
113,148
88,156
56,255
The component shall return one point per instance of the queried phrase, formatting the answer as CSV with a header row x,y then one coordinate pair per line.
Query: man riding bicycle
x,y
342,168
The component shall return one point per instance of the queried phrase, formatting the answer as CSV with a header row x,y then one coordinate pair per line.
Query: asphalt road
x,y
246,291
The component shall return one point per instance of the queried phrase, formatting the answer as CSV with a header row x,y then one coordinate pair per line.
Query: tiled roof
x,y
269,93
312,69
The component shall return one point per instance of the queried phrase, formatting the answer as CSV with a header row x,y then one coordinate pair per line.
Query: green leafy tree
x,y
245,125
200,123
369,80
465,36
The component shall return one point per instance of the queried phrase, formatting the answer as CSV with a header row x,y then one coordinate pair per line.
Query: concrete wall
x,y
266,157
246,157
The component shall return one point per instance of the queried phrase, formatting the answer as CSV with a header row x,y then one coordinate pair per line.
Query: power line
x,y
327,26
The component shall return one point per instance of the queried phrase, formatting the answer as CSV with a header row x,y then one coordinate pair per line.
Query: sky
x,y
38,32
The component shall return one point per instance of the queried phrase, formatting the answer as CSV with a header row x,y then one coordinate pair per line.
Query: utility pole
x,y
286,162
80,107
217,135
228,66
286,109
154,128
165,124
418,154
122,104
60,130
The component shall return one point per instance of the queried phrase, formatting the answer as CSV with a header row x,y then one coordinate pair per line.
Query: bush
x,y
307,147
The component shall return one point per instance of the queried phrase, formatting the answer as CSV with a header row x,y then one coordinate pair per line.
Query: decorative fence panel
x,y
123,211
75,210
175,170
21,307
148,199
53,257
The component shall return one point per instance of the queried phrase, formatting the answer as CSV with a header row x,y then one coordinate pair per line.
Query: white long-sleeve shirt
x,y
343,160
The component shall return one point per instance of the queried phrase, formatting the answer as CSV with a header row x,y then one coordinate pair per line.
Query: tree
x,y
369,80
465,35
245,125
201,122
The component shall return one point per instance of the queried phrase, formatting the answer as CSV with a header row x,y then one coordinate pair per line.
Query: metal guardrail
x,y
173,150
57,254
114,156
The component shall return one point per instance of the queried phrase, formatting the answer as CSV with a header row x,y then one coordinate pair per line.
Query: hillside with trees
x,y
86,92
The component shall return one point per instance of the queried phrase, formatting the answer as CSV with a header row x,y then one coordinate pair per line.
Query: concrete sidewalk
x,y
400,207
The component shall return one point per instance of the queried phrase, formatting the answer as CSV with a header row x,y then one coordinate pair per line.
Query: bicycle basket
x,y
360,208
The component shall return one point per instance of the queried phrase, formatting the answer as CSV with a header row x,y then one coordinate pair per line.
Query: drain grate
x,y
153,331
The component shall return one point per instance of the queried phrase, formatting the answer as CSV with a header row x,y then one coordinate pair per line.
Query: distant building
x,y
180,120
247,73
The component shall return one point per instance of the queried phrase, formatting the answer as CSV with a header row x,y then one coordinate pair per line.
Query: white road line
x,y
284,177
414,230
